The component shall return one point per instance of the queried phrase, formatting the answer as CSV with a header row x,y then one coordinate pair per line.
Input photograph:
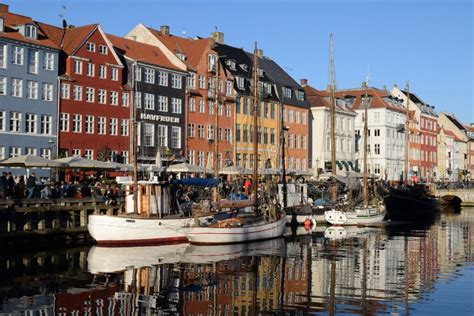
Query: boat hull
x,y
410,209
230,235
112,230
374,216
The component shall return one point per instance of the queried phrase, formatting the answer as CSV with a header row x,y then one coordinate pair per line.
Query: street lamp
x,y
51,156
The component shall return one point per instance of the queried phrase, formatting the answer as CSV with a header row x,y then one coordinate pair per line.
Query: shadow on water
x,y
402,269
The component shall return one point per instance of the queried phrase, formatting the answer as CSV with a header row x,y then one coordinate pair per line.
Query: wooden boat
x,y
358,216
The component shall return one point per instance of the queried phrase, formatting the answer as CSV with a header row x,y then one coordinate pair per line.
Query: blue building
x,y
28,89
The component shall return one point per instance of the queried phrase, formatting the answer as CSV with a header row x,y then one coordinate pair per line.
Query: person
x,y
46,192
247,185
20,187
3,185
30,185
10,185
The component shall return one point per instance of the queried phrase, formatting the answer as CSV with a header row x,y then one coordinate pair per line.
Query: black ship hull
x,y
403,205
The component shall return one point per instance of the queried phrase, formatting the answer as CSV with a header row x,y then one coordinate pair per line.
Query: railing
x,y
457,185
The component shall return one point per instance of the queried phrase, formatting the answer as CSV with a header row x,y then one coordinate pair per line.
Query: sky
x,y
426,42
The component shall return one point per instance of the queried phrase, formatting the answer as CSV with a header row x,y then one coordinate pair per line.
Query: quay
x,y
26,220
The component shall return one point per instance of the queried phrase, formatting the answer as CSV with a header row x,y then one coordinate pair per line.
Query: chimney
x,y
165,29
218,37
384,88
304,82
3,7
260,52
395,85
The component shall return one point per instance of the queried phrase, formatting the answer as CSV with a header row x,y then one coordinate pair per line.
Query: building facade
x,y
28,89
344,118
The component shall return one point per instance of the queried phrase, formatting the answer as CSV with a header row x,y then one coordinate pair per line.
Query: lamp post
x,y
51,156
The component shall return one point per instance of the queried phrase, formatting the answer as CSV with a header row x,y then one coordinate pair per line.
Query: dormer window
x,y
181,56
287,92
300,95
212,62
31,32
260,72
231,64
1,24
240,82
244,67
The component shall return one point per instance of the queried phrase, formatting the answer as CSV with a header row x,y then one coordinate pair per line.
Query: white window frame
x,y
103,50
47,92
149,75
90,47
77,123
114,98
77,66
176,81
18,55
46,124
125,99
77,93
114,74
101,125
176,106
102,71
31,123
175,137
32,90
3,56
149,135
113,126
90,70
64,122
89,124
163,78
33,61
102,96
49,61
17,88
124,127
90,94
65,91
149,101
15,122
162,135
163,103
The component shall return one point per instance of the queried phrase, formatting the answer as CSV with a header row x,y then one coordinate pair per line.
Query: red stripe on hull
x,y
141,242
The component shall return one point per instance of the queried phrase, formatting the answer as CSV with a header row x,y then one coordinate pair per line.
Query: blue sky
x,y
428,42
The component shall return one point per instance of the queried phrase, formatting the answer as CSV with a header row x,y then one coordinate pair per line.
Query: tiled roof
x,y
378,98
12,21
75,36
141,52
424,107
320,98
455,121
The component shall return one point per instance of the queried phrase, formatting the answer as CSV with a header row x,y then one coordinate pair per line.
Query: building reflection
x,y
368,272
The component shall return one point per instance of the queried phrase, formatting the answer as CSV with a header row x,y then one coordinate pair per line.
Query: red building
x,y
429,144
94,107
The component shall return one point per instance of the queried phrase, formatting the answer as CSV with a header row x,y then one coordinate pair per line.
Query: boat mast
x,y
135,142
216,133
365,191
407,134
255,124
283,158
332,87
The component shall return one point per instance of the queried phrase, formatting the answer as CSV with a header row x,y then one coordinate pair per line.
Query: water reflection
x,y
400,270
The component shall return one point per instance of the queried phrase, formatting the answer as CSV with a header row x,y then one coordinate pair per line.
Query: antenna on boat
x,y
332,87
255,125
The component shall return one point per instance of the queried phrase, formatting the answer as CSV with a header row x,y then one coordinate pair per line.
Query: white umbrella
x,y
83,163
184,168
30,161
158,161
231,170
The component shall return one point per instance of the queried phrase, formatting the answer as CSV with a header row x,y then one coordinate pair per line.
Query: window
x,y
200,131
65,91
90,47
303,118
114,74
272,136
113,122
228,110
47,92
33,61
228,88
265,135
17,87
78,67
212,62
245,133
191,156
192,105
32,91
175,137
290,116
48,61
89,94
77,93
88,153
149,101
30,151
125,99
3,56
297,141
176,106
76,123
3,85
377,149
201,158
162,103
377,132
17,55
303,141
103,50
287,92
125,156
64,122
210,107
240,82
149,75
297,118
2,120
210,132
15,151
202,82
90,70
176,81
202,108
300,95
76,152
102,96
191,130
102,72
290,140
124,127
272,110
228,134
114,98
265,110
30,120
89,128
138,99
162,135
101,128
377,168
192,80
163,78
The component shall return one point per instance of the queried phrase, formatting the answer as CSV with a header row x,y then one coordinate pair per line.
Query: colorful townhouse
x,y
28,89
210,94
158,89
424,129
445,155
470,151
294,122
344,117
94,106
386,122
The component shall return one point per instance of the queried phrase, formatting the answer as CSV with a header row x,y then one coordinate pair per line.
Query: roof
x,y
141,52
455,121
74,37
377,99
423,106
320,98
12,21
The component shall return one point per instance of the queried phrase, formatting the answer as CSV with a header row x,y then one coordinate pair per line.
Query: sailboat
x,y
359,215
259,222
147,217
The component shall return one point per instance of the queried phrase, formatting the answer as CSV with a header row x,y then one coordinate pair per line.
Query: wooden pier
x,y
25,220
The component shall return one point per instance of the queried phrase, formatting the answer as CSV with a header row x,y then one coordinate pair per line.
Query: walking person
x,y
30,185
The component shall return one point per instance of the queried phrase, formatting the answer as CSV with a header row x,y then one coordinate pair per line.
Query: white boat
x,y
117,259
235,230
155,221
357,216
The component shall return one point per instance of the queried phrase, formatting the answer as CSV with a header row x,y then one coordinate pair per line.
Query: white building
x,y
320,132
460,147
386,131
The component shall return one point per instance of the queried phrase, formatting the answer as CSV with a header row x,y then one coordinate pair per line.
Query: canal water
x,y
399,270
